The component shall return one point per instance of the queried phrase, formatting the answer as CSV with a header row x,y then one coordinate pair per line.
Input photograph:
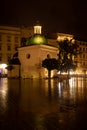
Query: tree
x,y
49,64
67,51
23,41
9,68
14,61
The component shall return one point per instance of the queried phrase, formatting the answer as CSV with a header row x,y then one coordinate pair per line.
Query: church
x,y
36,49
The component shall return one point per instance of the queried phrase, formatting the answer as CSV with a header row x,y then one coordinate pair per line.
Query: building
x,y
82,57
10,40
36,49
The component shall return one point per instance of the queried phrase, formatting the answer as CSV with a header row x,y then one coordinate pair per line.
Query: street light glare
x,y
3,66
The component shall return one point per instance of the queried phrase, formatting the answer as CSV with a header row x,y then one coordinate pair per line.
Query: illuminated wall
x,y
31,60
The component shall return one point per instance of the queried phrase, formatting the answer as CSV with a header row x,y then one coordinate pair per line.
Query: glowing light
x,y
52,74
3,66
37,29
3,92
46,73
38,39
71,81
59,88
62,37
71,72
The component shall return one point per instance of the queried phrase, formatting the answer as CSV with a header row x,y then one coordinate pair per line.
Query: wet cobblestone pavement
x,y
34,105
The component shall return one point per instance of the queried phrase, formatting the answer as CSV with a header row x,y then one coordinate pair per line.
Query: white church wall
x,y
31,67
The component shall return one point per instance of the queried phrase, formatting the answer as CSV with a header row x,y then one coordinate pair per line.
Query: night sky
x,y
64,16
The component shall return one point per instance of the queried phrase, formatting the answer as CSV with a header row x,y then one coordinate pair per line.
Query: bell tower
x,y
37,28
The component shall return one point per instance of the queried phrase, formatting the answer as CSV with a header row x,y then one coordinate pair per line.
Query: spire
x,y
37,28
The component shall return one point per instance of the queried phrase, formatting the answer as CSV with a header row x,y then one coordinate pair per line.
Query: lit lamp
x,y
3,66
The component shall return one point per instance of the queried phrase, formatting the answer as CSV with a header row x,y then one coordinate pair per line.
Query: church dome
x,y
37,39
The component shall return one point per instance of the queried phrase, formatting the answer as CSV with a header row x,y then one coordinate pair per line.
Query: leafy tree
x,y
23,41
14,61
49,64
9,67
67,51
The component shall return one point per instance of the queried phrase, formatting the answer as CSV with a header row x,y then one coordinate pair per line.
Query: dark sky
x,y
65,16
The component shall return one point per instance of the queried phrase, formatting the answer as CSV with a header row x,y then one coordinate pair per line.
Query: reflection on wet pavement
x,y
37,105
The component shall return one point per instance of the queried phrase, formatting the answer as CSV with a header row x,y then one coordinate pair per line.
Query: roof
x,y
37,39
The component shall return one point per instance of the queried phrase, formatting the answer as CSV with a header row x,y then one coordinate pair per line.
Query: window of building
x,y
75,56
9,47
8,58
0,57
80,48
83,55
0,47
48,55
80,56
16,39
83,49
83,63
28,56
16,46
0,38
8,38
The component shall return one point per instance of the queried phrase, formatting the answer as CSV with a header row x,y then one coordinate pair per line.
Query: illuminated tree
x,y
14,61
67,51
50,64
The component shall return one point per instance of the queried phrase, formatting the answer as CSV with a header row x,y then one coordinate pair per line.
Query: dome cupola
x,y
37,38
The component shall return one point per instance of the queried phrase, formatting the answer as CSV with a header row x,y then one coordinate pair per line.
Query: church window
x,y
28,56
48,55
